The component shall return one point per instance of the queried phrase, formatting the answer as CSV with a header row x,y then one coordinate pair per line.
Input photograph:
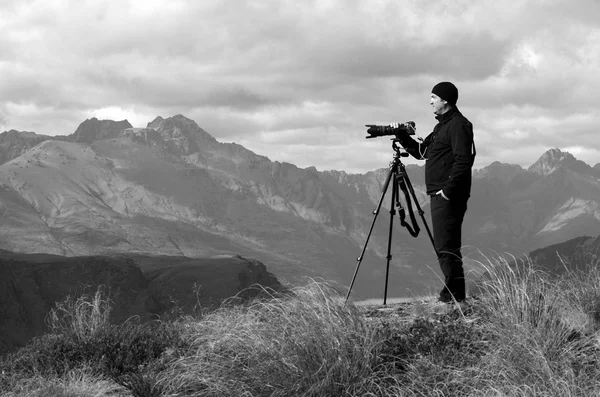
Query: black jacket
x,y
450,153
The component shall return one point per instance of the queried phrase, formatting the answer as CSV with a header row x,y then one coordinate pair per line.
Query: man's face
x,y
438,104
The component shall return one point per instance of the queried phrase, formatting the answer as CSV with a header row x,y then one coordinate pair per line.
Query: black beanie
x,y
447,91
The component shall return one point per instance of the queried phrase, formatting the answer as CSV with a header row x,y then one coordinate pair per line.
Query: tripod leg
x,y
375,213
389,249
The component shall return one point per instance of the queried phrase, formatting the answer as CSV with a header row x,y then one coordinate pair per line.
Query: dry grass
x,y
546,345
528,334
304,344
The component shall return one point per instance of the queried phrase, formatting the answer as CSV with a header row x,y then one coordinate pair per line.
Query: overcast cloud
x,y
298,80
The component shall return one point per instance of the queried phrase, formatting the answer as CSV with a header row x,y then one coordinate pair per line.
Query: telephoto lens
x,y
403,129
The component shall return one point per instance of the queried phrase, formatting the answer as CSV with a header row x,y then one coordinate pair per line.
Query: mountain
x,y
172,189
138,285
554,159
14,143
554,200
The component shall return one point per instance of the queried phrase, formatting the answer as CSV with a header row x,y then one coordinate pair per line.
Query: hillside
x,y
172,189
138,285
570,255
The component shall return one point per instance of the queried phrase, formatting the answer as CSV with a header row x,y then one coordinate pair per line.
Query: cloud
x,y
284,77
4,121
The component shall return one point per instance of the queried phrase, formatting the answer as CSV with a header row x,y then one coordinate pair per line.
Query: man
x,y
450,153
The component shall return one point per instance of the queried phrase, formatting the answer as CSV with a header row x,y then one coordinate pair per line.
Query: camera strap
x,y
414,230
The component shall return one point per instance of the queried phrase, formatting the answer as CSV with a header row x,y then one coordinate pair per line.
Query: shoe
x,y
444,299
449,299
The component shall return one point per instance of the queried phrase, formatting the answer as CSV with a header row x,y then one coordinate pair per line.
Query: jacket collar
x,y
448,115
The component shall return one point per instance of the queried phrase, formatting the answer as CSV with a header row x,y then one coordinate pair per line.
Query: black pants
x,y
447,218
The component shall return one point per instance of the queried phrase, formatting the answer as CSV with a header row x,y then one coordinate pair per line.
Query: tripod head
x,y
398,148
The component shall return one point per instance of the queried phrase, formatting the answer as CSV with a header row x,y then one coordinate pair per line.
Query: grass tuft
x,y
82,317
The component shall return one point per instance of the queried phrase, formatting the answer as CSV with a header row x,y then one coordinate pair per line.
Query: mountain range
x,y
171,189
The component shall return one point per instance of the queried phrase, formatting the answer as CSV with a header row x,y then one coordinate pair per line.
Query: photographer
x,y
450,153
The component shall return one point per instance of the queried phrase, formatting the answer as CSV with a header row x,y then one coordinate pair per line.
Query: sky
x,y
297,81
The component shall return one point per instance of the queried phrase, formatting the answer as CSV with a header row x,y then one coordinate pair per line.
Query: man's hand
x,y
441,192
401,131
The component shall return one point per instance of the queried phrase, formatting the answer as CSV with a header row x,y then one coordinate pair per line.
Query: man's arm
x,y
416,149
461,140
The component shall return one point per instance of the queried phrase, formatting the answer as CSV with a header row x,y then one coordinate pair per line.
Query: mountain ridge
x,y
170,130
171,188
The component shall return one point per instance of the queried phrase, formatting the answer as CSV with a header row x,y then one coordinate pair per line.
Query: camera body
x,y
403,130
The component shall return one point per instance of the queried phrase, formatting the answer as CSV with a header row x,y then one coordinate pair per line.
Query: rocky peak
x,y
93,129
154,124
554,159
182,135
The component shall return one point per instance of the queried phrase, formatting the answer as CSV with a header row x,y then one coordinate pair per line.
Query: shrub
x,y
116,351
77,383
131,354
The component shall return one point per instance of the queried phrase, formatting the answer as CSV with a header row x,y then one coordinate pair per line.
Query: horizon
x,y
418,163
298,82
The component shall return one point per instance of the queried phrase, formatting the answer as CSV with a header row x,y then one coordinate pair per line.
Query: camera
x,y
403,130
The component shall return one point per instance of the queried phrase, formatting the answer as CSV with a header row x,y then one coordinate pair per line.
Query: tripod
x,y
398,175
